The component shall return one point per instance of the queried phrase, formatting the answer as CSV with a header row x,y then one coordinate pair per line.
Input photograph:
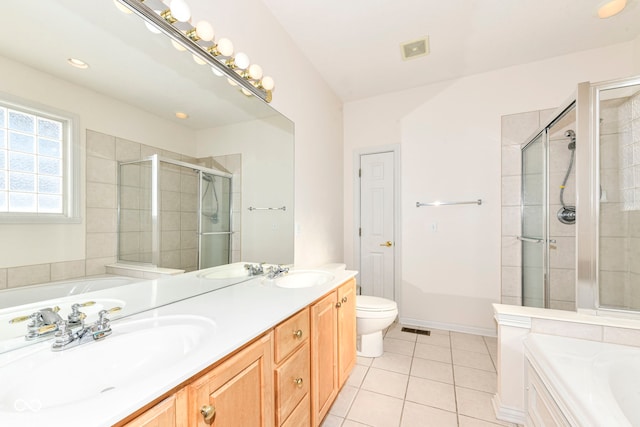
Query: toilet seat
x,y
374,304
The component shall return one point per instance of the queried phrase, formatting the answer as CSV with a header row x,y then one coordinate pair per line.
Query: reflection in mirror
x,y
619,222
125,104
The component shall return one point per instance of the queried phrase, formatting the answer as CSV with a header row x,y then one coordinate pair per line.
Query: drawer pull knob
x,y
298,382
298,333
338,304
208,413
344,299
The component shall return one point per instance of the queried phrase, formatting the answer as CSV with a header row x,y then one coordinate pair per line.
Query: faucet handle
x,y
76,316
102,315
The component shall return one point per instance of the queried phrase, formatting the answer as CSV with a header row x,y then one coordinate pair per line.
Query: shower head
x,y
571,134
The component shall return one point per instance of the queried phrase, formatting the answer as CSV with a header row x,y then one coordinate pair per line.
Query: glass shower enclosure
x,y
548,213
173,214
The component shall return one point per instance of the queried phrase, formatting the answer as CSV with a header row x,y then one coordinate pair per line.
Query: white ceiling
x,y
355,44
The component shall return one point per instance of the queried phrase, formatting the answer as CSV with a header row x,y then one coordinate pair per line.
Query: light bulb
x,y
241,60
225,47
246,92
216,72
232,82
255,72
611,8
199,60
204,30
180,10
268,83
178,46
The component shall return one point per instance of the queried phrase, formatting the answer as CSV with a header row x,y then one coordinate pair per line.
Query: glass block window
x,y
34,157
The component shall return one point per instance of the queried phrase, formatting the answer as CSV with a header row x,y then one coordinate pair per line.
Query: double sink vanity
x,y
207,351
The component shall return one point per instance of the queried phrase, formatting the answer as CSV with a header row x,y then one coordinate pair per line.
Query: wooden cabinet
x,y
292,371
161,415
288,377
238,392
333,347
346,330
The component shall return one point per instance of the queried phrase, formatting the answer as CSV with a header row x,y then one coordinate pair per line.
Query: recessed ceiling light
x,y
74,62
182,115
611,8
415,49
122,8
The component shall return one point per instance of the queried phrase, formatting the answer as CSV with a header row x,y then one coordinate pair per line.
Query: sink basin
x,y
138,349
303,279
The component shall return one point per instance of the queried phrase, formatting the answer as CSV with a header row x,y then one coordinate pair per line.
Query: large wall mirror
x,y
127,99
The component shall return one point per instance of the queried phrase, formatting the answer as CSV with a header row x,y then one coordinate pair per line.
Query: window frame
x,y
71,163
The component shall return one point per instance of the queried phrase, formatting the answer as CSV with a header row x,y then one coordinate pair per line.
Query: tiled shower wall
x,y
103,153
619,275
516,128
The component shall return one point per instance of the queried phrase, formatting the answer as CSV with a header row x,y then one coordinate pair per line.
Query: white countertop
x,y
239,313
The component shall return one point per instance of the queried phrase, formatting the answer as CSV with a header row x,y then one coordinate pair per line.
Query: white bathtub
x,y
598,383
30,294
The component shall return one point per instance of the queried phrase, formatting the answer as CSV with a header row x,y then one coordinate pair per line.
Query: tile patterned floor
x,y
443,380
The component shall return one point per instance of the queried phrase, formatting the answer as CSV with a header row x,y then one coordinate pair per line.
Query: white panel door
x,y
377,202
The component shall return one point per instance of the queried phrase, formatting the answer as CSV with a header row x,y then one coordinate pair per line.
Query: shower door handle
x,y
529,239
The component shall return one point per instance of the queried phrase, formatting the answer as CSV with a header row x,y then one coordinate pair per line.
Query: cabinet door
x,y
161,415
346,330
324,381
238,392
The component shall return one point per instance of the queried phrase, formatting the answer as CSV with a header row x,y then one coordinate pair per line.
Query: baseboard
x,y
505,413
448,327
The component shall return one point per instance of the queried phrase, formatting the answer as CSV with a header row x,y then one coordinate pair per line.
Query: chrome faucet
x,y
41,323
255,269
66,337
276,271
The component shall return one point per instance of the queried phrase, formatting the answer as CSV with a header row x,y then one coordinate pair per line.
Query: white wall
x,y
305,98
450,136
26,244
636,54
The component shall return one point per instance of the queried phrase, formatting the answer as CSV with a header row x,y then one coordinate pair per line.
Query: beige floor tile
x,y
364,361
474,422
350,423
332,421
357,375
431,393
472,359
475,378
468,342
492,343
441,340
476,404
395,331
343,402
414,415
393,362
376,410
433,352
394,345
432,370
386,382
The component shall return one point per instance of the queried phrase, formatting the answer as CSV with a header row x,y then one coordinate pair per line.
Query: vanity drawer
x,y
292,382
290,334
301,416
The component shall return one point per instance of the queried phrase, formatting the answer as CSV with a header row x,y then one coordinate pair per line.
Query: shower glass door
x,y
215,220
534,262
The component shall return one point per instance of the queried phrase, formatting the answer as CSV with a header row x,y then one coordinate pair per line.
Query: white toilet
x,y
373,315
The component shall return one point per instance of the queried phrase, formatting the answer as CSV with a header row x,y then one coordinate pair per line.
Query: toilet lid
x,y
369,303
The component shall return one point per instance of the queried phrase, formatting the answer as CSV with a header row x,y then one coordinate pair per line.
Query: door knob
x,y
208,412
387,243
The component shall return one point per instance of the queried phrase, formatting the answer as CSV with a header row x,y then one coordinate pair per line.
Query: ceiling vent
x,y
415,49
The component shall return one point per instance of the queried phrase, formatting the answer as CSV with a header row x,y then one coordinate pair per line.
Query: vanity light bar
x,y
261,88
